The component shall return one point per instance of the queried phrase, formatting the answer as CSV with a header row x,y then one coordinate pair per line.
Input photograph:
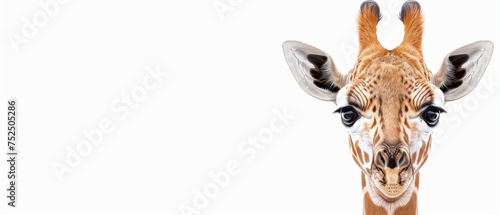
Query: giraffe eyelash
x,y
427,107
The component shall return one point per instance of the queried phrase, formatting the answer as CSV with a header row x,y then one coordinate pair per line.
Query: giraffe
x,y
389,102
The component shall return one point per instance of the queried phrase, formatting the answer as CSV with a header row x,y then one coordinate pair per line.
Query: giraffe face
x,y
390,128
389,102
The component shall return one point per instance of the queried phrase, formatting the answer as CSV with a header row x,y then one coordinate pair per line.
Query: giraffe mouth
x,y
391,192
391,184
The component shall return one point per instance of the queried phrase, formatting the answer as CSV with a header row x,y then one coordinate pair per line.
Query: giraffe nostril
x,y
402,159
382,159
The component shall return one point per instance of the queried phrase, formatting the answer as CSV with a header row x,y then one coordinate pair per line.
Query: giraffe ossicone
x,y
389,102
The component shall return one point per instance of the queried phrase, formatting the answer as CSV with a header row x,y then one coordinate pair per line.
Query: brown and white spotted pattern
x,y
389,102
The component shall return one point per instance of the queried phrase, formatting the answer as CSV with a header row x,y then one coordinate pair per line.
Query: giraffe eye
x,y
348,115
431,115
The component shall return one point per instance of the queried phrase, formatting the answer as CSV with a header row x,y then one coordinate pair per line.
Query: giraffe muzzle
x,y
391,171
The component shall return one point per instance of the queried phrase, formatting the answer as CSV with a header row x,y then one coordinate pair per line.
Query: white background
x,y
226,76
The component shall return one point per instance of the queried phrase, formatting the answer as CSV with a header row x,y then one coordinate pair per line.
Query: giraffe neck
x,y
373,204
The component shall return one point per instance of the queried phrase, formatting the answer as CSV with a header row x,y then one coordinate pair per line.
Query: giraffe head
x,y
389,102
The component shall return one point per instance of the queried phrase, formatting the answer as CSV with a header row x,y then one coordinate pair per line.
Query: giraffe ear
x,y
314,70
462,69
